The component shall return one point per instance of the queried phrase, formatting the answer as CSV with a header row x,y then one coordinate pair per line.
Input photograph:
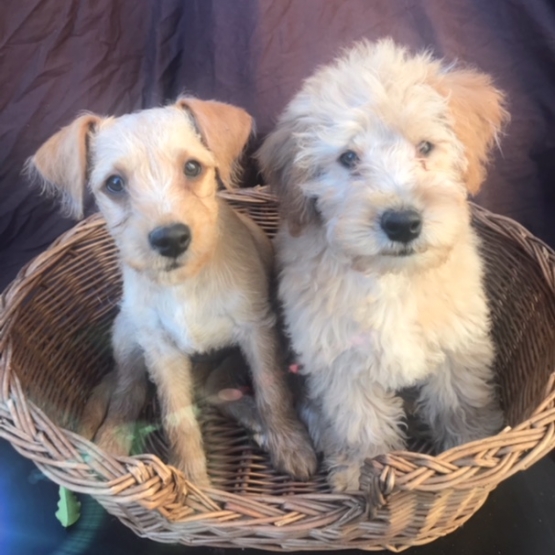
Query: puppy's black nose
x,y
401,225
170,240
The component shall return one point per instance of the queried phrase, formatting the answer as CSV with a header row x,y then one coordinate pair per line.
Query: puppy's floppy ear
x,y
61,163
278,161
225,129
478,110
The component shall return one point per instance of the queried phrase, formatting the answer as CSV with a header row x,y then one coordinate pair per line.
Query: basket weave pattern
x,y
54,348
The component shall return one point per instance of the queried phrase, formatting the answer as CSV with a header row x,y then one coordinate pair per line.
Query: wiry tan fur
x,y
214,295
365,317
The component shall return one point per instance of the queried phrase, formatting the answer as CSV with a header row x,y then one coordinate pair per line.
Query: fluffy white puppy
x,y
381,276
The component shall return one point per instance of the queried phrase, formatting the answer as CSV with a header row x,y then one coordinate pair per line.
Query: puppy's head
x,y
154,175
382,148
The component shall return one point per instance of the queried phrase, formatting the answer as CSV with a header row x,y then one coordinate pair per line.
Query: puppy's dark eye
x,y
425,147
115,184
349,159
192,168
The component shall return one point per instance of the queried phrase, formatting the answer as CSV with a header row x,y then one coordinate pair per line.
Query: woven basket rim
x,y
464,467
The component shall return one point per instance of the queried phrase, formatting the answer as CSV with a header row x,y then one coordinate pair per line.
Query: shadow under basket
x,y
54,346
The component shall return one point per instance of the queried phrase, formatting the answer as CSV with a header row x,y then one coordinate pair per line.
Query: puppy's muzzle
x,y
171,240
401,226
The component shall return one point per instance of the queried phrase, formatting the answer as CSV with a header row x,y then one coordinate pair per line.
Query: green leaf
x,y
68,512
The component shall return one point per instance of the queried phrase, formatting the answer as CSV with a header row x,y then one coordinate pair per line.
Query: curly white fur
x,y
366,315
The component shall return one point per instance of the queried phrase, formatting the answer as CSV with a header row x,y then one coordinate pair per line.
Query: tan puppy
x,y
195,273
381,276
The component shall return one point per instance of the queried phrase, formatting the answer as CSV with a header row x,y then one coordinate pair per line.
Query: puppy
x,y
380,271
195,273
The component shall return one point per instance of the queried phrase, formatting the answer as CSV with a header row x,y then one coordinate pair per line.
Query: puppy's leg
x,y
171,371
128,396
359,425
287,439
459,401
97,406
310,413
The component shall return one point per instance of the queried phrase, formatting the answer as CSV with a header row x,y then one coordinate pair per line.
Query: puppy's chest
x,y
385,343
193,323
368,330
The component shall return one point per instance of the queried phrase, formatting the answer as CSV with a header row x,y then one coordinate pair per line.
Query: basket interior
x,y
60,348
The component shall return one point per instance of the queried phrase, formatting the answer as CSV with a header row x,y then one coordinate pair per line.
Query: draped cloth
x,y
58,58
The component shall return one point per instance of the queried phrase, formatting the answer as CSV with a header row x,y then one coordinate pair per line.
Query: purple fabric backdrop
x,y
59,57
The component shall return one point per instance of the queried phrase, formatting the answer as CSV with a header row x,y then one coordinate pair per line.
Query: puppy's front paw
x,y
345,478
292,452
195,471
115,439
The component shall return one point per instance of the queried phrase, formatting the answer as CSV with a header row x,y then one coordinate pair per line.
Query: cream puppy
x,y
195,273
380,269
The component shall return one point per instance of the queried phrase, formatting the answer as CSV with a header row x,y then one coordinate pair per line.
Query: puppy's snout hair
x,y
381,275
170,240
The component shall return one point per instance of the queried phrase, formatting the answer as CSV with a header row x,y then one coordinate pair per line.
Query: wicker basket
x,y
54,327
